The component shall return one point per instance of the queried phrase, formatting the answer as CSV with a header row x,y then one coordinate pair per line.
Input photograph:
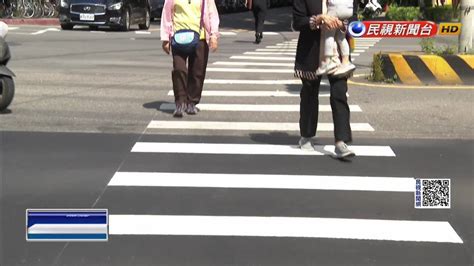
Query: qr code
x,y
433,194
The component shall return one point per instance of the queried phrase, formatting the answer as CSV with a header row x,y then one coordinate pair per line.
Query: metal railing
x,y
29,8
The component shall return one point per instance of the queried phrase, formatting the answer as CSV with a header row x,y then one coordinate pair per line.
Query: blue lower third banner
x,y
67,225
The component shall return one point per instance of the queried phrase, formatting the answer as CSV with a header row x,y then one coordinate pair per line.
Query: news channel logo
x,y
356,29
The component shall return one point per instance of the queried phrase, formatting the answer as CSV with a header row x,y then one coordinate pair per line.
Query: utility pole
x,y
467,26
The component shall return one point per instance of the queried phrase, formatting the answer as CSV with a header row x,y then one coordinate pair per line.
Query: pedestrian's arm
x,y
300,15
166,25
213,18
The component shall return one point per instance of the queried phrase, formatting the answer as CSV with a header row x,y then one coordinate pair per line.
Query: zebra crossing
x,y
208,154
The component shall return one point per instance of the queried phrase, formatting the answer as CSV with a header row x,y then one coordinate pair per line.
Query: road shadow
x,y
240,41
277,19
296,88
283,138
157,105
5,112
275,138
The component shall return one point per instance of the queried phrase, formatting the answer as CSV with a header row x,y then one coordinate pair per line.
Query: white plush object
x,y
3,29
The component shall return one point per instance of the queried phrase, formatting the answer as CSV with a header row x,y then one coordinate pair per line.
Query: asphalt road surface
x,y
91,127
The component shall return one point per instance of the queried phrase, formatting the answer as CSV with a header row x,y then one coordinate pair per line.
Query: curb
x,y
429,69
32,21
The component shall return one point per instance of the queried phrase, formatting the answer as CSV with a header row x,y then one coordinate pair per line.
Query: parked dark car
x,y
117,14
156,6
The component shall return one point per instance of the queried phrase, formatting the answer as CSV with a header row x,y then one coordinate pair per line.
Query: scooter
x,y
7,86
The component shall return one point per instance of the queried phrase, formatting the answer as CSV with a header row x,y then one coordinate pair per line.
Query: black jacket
x,y
308,49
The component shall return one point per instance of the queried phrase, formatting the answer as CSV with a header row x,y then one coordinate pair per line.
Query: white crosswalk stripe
x,y
214,93
272,69
247,126
253,149
254,107
363,229
310,182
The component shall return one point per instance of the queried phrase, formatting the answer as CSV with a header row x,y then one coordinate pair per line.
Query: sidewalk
x,y
32,21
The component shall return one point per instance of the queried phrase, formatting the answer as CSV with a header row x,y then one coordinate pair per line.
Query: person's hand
x,y
341,25
213,44
166,47
330,22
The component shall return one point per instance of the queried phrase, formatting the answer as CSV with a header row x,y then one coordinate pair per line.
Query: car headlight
x,y
116,6
64,3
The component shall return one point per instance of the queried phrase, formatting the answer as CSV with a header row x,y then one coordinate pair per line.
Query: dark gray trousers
x,y
309,108
188,79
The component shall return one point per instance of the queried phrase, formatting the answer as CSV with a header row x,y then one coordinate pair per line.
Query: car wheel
x,y
126,20
7,90
145,25
67,26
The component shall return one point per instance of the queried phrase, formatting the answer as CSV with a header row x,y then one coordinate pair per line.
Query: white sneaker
x,y
306,144
342,151
324,68
344,69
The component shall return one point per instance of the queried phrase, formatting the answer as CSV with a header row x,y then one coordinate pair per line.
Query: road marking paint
x,y
281,46
268,53
440,68
44,31
249,70
254,107
307,227
355,54
275,50
12,28
270,33
252,64
247,126
311,182
209,93
403,69
358,51
142,32
253,149
263,58
256,82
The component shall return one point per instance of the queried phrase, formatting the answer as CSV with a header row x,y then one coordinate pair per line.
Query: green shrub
x,y
428,46
441,13
377,68
403,13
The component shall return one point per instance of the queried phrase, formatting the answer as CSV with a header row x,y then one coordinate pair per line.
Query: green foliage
x,y
377,68
441,13
428,46
403,13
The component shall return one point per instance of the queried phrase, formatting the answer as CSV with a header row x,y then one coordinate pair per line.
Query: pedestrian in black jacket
x,y
259,9
308,17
